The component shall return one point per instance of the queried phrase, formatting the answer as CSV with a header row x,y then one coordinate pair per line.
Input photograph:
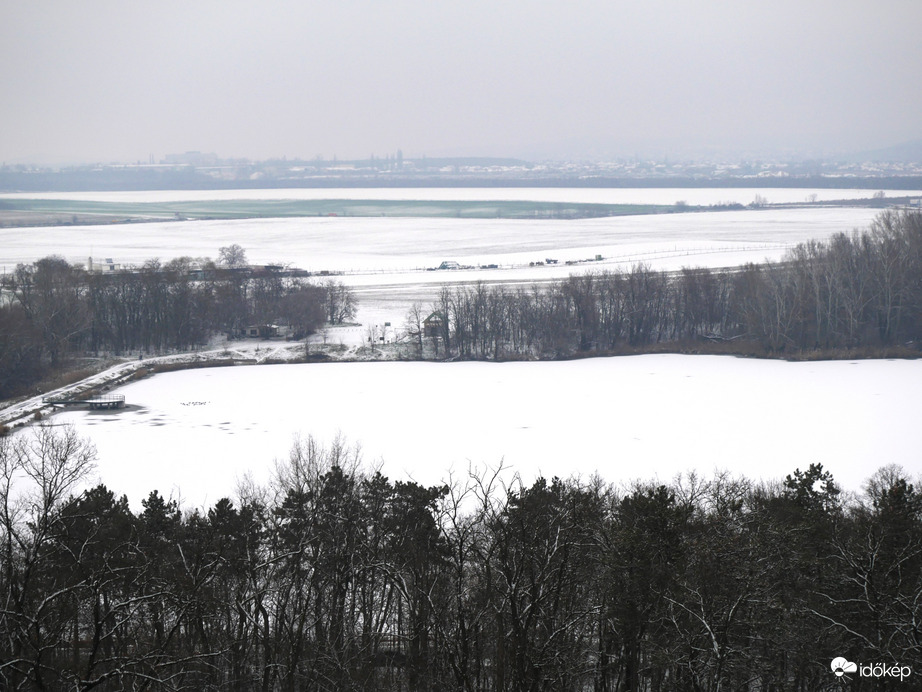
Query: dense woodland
x,y
335,578
59,310
856,291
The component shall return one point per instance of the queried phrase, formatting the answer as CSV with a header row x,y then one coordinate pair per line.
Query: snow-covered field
x,y
385,258
407,244
656,195
195,433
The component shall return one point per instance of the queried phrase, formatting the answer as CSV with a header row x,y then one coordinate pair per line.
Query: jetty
x,y
95,402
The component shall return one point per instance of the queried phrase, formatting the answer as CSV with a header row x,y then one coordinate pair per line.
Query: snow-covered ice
x,y
196,433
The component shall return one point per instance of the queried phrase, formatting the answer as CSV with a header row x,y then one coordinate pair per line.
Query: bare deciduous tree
x,y
340,301
232,256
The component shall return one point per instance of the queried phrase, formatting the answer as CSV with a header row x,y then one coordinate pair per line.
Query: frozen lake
x,y
195,433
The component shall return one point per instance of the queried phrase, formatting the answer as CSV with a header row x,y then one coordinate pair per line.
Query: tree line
x,y
855,291
61,309
334,577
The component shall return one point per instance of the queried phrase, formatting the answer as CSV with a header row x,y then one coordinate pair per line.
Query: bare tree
x,y
38,471
52,293
303,308
340,301
232,256
414,326
20,351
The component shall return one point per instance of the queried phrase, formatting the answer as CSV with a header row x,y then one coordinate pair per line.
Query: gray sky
x,y
117,81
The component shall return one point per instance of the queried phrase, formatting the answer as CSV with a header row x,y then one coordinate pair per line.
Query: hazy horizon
x,y
106,81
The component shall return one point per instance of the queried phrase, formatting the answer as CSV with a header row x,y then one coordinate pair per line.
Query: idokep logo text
x,y
842,666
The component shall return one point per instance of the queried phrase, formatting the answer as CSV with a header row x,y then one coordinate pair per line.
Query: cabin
x,y
434,324
109,265
260,331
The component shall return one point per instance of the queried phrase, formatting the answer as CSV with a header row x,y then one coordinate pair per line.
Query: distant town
x,y
896,168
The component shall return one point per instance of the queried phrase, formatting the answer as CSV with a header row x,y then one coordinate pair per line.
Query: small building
x,y
434,324
449,264
109,265
261,331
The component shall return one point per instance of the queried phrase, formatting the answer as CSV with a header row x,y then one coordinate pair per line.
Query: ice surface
x,y
195,433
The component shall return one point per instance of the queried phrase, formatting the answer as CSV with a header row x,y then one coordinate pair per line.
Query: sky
x,y
107,80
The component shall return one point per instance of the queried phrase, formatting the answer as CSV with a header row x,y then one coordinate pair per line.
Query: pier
x,y
95,402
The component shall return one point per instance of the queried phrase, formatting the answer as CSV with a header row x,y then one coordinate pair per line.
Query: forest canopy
x,y
59,309
334,577
854,291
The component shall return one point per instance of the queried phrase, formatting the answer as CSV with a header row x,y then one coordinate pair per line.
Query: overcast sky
x,y
119,81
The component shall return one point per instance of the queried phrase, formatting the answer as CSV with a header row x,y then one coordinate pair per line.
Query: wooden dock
x,y
95,402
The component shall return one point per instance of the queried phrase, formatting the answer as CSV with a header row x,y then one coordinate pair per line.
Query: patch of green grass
x,y
239,209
